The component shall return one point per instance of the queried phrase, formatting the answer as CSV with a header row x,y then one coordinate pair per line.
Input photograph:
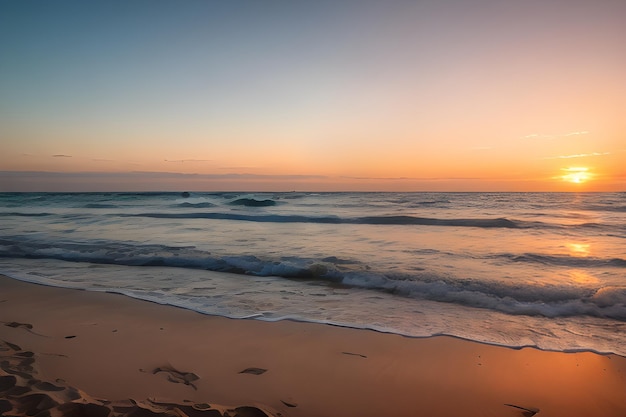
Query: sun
x,y
576,175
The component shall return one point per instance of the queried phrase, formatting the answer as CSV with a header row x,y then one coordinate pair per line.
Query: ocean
x,y
546,270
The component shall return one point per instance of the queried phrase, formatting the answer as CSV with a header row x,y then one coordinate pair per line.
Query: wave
x,y
548,301
252,202
564,260
425,221
511,298
100,206
606,207
373,220
19,214
196,205
404,220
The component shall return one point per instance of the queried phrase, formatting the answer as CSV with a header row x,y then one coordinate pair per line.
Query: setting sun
x,y
577,175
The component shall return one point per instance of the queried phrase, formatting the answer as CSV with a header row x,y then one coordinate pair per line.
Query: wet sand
x,y
67,352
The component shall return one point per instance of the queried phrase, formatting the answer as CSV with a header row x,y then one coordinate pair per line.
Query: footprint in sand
x,y
15,325
355,354
26,326
176,376
253,371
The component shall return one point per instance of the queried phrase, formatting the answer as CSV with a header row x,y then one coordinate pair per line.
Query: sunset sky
x,y
319,95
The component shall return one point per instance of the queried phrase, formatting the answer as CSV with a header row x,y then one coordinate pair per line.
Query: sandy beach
x,y
67,352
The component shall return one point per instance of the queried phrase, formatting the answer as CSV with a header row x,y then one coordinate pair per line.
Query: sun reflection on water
x,y
582,277
580,250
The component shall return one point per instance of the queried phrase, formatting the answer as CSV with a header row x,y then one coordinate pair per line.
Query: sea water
x,y
515,269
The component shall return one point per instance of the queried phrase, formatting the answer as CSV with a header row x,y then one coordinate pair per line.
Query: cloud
x,y
412,178
563,135
578,155
262,177
581,132
240,168
187,160
217,177
537,136
61,156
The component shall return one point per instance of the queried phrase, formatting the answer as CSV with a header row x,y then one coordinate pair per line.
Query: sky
x,y
313,96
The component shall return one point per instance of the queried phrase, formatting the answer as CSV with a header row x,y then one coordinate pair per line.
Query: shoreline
x,y
113,347
260,317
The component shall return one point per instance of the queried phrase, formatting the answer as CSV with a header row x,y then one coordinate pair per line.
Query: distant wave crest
x,y
373,220
196,205
100,206
252,202
22,214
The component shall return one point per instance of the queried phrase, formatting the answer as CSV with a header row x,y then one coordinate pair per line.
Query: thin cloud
x,y
411,178
231,176
563,135
187,160
241,168
578,155
61,156
581,132
537,136
262,177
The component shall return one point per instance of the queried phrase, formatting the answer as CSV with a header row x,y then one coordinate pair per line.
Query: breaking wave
x,y
511,298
